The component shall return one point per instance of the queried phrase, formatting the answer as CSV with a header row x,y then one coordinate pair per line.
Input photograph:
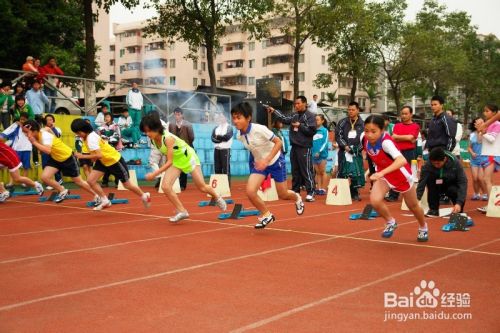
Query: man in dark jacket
x,y
348,134
183,130
443,174
302,129
442,127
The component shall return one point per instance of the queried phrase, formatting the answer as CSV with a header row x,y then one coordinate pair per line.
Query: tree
x,y
205,22
301,20
41,28
347,30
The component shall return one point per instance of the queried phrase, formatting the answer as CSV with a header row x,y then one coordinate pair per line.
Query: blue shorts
x,y
25,158
488,160
478,161
277,170
322,157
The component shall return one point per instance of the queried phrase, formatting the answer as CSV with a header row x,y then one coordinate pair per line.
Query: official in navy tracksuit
x,y
302,129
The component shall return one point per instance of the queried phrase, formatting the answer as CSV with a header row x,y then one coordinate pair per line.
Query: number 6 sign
x,y
220,183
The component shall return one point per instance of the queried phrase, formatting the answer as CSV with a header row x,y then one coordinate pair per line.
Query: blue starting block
x,y
238,213
18,194
111,198
458,222
53,197
212,202
368,214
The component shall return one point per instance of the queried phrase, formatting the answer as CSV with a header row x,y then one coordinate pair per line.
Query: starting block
x,y
368,214
29,192
111,198
53,197
458,222
212,202
238,213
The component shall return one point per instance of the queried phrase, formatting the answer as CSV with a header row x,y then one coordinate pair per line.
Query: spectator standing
x,y
222,137
302,129
442,128
348,133
476,161
47,71
29,66
183,130
458,135
21,106
37,98
6,103
313,105
405,135
135,102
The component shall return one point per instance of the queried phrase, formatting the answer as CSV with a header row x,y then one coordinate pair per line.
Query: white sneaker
x,y
4,196
61,196
97,200
39,188
179,216
221,203
309,198
49,188
299,205
146,199
104,204
23,185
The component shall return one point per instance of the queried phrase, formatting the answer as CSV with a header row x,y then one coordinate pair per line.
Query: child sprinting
x,y
180,158
20,143
106,158
10,160
474,149
86,164
60,159
320,154
392,172
490,149
265,159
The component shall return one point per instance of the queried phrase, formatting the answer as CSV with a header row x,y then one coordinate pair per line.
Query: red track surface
x,y
66,268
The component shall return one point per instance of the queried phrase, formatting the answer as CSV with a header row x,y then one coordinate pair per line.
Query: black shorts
x,y
69,167
119,169
85,161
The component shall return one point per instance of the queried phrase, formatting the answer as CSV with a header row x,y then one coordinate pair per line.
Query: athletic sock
x,y
391,222
425,228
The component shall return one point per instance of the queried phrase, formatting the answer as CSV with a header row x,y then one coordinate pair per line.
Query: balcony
x,y
232,81
280,49
130,41
280,68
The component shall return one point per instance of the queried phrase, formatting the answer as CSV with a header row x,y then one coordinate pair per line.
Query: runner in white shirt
x,y
266,159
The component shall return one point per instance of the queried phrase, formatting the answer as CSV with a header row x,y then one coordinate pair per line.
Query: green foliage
x,y
27,27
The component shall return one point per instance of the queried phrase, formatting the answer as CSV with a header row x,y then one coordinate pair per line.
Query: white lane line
x,y
321,301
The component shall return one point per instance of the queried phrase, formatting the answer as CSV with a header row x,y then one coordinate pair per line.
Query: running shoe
x,y
475,197
179,216
4,196
423,235
432,213
104,204
389,230
484,197
146,199
221,203
310,197
39,188
97,200
299,205
483,209
61,196
264,221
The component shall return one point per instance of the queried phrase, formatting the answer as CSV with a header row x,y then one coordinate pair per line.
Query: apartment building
x,y
239,62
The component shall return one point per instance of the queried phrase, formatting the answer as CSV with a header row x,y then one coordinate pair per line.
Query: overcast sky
x,y
484,13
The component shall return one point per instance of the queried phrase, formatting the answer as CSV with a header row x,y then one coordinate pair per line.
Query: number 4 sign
x,y
338,192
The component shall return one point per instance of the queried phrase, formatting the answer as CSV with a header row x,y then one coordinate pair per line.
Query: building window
x,y
219,67
122,52
251,63
111,47
251,46
202,82
155,63
323,59
264,44
264,62
323,95
251,81
195,64
301,92
112,62
171,46
172,80
112,77
219,50
203,66
195,81
172,64
343,100
301,77
234,63
301,58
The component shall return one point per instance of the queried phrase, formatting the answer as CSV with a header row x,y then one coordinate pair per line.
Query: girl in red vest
x,y
392,172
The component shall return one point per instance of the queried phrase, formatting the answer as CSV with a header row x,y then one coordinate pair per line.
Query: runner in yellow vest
x,y
106,158
60,158
180,157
